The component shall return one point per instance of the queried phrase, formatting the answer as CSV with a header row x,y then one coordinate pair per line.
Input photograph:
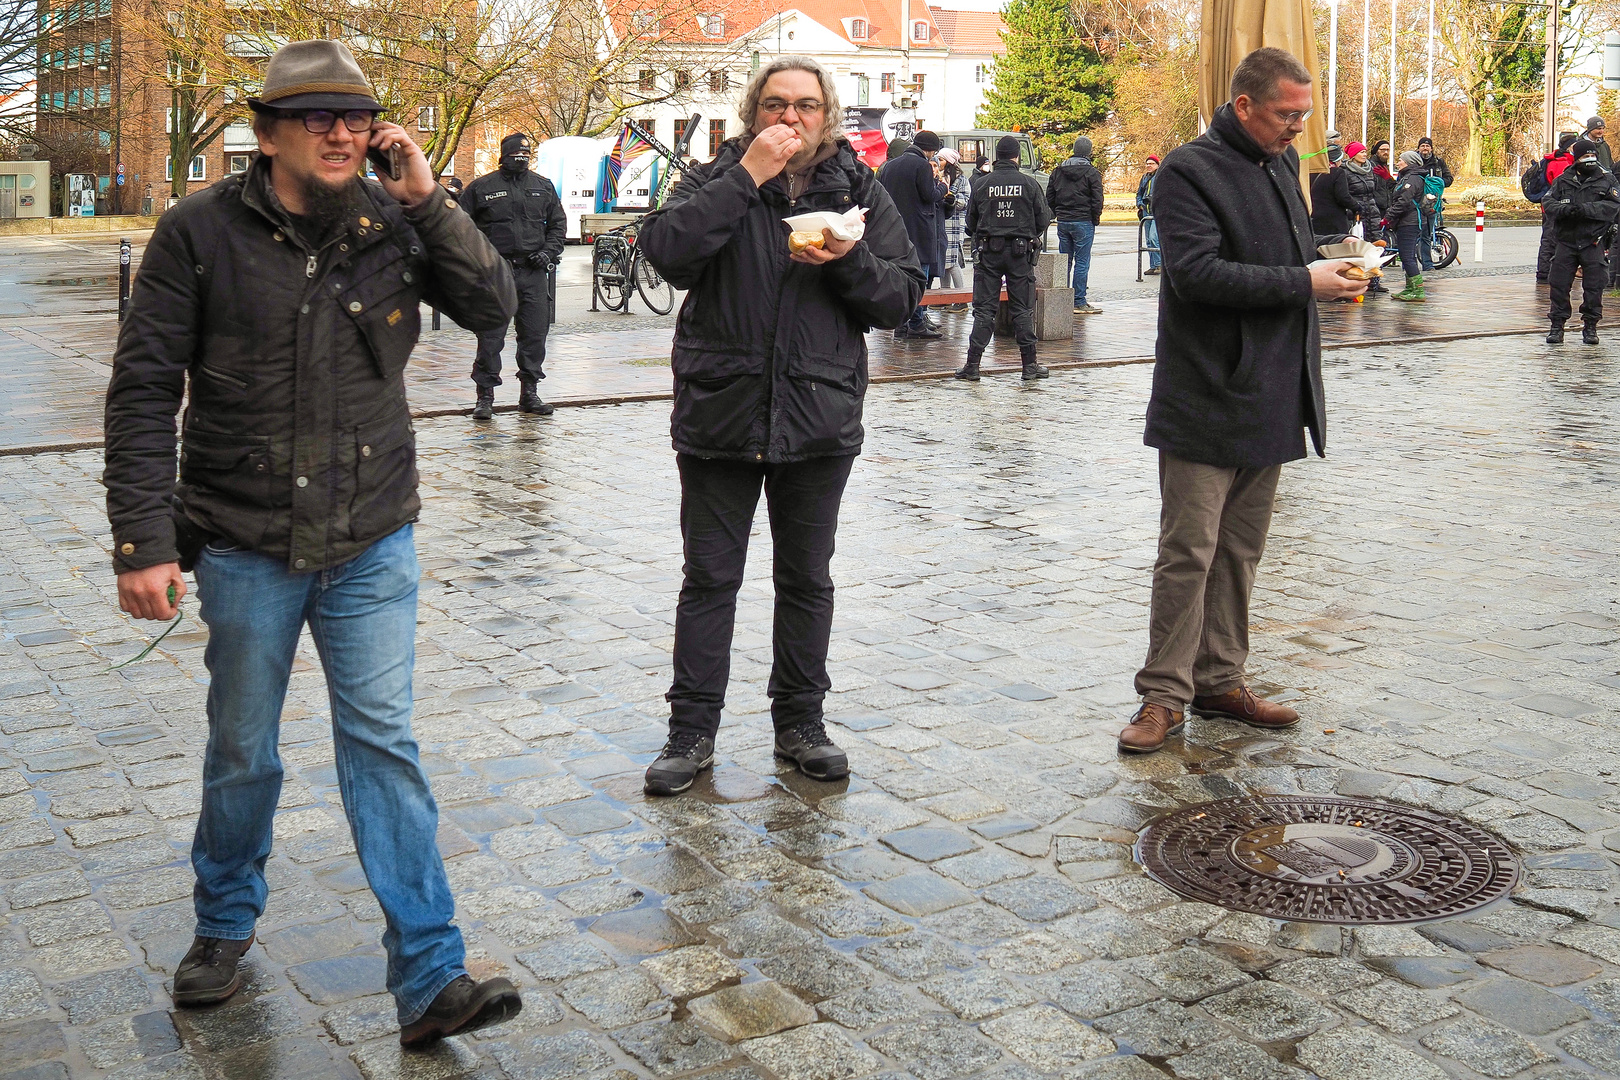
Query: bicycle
x,y
619,269
1444,251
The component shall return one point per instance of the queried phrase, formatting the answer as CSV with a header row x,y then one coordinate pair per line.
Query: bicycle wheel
x,y
609,274
1445,248
655,292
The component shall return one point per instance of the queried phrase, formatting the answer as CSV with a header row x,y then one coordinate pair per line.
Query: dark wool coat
x,y
1333,208
1239,374
770,354
297,439
910,181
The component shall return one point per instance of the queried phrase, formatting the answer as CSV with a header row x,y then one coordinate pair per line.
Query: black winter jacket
x,y
770,354
520,214
1238,374
1406,199
1363,188
297,441
1332,208
1074,191
1582,208
910,182
1435,165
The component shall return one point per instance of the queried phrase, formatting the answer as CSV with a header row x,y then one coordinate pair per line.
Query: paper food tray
x,y
846,226
1361,252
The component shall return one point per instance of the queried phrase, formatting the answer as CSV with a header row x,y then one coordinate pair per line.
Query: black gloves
x,y
537,261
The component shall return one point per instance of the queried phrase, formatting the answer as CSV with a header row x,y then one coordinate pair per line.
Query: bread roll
x,y
798,241
1360,273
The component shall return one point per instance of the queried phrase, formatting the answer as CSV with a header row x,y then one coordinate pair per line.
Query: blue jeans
x,y
1150,237
919,318
362,615
1074,240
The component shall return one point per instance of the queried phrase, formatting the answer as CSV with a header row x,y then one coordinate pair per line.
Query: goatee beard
x,y
326,206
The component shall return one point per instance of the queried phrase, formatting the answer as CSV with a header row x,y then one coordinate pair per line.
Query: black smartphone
x,y
385,161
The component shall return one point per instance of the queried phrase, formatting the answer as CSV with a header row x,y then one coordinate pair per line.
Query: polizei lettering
x,y
1012,192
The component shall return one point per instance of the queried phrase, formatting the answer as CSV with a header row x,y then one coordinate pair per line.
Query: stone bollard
x,y
1054,301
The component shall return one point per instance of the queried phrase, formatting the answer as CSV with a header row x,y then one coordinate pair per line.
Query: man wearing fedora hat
x,y
284,301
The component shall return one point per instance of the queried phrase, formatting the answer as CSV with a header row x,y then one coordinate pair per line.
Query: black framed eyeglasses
x,y
776,106
320,121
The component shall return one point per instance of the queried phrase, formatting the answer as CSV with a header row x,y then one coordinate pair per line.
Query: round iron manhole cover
x,y
1327,860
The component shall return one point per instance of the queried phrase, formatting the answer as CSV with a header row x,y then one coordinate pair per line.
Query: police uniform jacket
x,y
1582,208
520,214
1007,202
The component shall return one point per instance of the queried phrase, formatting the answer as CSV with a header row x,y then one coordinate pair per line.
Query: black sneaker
x,y
208,974
464,1005
685,755
807,746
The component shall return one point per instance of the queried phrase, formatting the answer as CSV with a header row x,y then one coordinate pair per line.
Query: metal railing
x,y
1142,246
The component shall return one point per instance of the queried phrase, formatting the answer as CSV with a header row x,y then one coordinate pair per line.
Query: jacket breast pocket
x,y
386,309
384,476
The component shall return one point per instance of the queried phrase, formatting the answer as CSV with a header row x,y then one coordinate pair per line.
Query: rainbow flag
x,y
629,146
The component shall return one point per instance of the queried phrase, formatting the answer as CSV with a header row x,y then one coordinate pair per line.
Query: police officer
x,y
1006,219
520,213
1584,205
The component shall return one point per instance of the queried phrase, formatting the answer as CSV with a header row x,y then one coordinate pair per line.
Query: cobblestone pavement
x,y
1439,601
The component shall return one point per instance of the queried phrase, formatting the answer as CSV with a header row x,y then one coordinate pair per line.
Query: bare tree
x,y
19,44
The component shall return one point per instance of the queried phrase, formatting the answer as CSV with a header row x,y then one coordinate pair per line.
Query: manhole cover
x,y
1327,860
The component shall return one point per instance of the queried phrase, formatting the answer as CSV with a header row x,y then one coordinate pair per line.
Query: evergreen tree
x,y
1051,81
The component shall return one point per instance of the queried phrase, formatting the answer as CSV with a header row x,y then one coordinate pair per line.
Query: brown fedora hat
x,y
314,75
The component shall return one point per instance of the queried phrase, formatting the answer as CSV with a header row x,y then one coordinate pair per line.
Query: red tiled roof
x,y
971,31
743,17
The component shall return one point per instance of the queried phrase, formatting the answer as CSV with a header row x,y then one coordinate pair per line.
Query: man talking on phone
x,y
285,300
521,214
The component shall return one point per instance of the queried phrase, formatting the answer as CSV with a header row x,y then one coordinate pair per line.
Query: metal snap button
x,y
365,451
127,549
299,565
343,247
354,305
451,203
280,235
302,481
304,310
407,277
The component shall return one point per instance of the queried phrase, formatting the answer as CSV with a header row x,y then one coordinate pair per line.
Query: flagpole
x,y
1393,146
1333,67
1428,111
1366,62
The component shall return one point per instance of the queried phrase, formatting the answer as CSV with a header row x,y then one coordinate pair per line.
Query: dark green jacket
x,y
296,439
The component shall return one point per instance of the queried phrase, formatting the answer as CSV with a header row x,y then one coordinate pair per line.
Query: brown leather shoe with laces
x,y
1148,729
1241,704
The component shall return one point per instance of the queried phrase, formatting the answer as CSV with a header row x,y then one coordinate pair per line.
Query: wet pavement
x,y
1438,600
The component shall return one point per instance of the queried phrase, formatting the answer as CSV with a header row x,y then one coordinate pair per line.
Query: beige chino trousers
x,y
1212,530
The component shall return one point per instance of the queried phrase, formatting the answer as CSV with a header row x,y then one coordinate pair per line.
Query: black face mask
x,y
1586,168
516,163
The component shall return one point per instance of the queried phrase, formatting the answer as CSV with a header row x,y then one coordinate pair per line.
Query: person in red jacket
x,y
1555,165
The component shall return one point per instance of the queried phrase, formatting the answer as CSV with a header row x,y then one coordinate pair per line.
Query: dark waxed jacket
x,y
1406,200
1074,191
1582,208
1238,374
770,354
1333,210
297,441
910,182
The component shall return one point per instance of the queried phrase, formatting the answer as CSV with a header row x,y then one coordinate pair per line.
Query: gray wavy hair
x,y
748,107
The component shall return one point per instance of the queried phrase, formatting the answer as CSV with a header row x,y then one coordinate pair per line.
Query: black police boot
x,y
684,756
529,400
207,975
806,745
485,409
1555,336
1032,369
464,1005
1589,333
970,370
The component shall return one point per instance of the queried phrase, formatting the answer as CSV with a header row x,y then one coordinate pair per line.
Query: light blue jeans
x,y
1074,240
362,615
1150,237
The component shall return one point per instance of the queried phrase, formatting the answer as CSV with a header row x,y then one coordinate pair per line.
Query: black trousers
x,y
1014,259
1408,237
533,321
1549,244
718,499
1594,277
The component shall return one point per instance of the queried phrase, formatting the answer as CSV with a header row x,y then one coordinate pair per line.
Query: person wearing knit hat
x,y
1433,165
1405,218
1584,205
918,194
282,303
520,212
1074,192
1007,220
1144,213
1594,132
1362,187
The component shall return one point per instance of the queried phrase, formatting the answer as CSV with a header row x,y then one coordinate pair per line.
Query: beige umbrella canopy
x,y
1232,29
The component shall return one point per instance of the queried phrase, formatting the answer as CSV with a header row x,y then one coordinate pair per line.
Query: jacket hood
x,y
1082,148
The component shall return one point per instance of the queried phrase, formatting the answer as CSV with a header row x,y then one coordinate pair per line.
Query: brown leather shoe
x,y
1241,704
1148,729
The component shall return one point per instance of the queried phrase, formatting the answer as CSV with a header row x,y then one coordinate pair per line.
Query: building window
x,y
649,125
239,163
919,31
648,82
680,130
717,135
683,80
427,118
919,81
863,90
978,73
887,82
199,168
713,25
857,29
719,82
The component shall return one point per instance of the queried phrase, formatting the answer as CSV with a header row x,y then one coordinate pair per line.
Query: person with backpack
x,y
1584,206
1436,178
1536,182
1405,220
